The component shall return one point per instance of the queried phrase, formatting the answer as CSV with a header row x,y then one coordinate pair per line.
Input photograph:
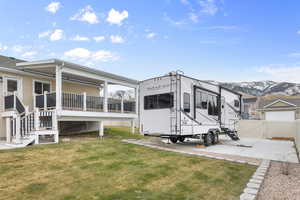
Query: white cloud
x,y
53,7
99,38
80,38
57,35
85,55
193,17
116,39
290,73
294,55
116,17
186,2
29,54
103,56
18,48
298,32
222,27
151,35
86,14
3,47
44,34
172,21
208,7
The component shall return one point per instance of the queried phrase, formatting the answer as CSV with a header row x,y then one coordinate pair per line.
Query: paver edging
x,y
253,186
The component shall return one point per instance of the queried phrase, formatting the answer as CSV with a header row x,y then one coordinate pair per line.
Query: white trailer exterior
x,y
177,107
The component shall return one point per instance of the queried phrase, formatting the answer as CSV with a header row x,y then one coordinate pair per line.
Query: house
x,y
41,98
250,104
279,108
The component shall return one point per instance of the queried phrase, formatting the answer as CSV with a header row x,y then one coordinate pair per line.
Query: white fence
x,y
266,129
270,129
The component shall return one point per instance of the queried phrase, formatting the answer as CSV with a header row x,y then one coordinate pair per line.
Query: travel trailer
x,y
177,107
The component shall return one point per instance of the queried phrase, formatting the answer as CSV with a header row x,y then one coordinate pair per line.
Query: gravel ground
x,y
279,186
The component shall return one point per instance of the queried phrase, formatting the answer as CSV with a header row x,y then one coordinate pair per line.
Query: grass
x,y
90,168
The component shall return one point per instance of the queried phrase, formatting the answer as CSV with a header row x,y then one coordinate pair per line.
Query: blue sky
x,y
223,40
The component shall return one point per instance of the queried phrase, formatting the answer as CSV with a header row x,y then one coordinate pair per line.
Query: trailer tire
x,y
174,139
207,139
181,139
217,137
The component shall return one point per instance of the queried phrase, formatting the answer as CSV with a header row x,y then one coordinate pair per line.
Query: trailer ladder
x,y
175,109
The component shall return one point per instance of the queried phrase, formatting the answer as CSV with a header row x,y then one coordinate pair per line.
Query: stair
x,y
232,134
28,128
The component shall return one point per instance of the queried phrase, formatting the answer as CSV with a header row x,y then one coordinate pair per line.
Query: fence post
x,y
84,101
45,100
8,130
18,127
36,119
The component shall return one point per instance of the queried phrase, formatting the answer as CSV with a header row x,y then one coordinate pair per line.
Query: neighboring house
x,y
250,108
39,99
279,108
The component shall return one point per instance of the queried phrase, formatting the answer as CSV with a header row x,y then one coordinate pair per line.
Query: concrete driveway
x,y
257,148
246,149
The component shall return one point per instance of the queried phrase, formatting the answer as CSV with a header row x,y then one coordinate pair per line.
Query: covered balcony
x,y
81,93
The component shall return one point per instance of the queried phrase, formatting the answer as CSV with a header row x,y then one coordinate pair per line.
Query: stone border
x,y
133,141
256,181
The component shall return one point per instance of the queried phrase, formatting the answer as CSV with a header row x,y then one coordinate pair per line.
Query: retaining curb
x,y
251,190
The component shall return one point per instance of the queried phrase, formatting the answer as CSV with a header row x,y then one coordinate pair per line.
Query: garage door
x,y
280,116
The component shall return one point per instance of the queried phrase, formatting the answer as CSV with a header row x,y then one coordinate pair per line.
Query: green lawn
x,y
89,168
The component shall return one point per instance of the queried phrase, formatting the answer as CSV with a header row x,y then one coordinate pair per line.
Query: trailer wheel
x,y
173,139
207,139
217,137
181,139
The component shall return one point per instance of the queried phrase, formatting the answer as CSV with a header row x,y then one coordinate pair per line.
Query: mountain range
x,y
262,88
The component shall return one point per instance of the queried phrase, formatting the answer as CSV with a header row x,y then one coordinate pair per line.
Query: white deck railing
x,y
83,102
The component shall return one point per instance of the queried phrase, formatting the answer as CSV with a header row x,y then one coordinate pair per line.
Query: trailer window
x,y
213,105
198,99
204,100
158,101
165,100
236,103
186,102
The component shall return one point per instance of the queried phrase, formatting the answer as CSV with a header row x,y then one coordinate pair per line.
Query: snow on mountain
x,y
261,88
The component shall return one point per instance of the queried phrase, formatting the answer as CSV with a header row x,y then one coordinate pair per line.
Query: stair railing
x,y
12,102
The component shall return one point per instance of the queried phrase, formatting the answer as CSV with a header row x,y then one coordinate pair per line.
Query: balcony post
x,y
105,93
133,126
15,100
8,130
34,101
45,100
84,101
58,84
136,92
122,104
101,129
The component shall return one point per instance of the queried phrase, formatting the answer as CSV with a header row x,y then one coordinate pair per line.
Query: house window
x,y
186,102
41,87
12,85
158,101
